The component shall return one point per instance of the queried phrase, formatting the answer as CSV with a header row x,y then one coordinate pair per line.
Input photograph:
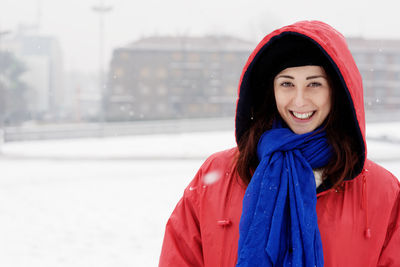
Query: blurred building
x,y
42,58
379,64
176,77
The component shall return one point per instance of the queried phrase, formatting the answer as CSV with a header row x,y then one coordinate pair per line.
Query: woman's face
x,y
303,97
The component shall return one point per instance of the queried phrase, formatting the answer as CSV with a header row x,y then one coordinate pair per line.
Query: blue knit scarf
x,y
279,225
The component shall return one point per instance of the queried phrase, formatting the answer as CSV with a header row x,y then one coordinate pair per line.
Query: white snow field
x,y
105,202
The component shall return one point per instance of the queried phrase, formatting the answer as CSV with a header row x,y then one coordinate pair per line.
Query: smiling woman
x,y
298,189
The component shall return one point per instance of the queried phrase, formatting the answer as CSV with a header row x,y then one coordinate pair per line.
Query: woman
x,y
298,189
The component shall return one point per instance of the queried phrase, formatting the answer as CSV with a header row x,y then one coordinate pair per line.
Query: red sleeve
x,y
390,255
182,240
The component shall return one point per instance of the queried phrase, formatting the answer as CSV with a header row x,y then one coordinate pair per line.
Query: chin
x,y
298,130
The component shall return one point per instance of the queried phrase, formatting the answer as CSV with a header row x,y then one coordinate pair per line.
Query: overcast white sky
x,y
77,26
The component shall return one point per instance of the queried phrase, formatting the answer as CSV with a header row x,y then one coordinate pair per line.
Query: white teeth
x,y
303,115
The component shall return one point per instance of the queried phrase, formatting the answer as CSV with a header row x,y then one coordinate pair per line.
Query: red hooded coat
x,y
359,224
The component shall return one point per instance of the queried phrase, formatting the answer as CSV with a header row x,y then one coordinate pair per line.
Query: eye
x,y
286,84
315,84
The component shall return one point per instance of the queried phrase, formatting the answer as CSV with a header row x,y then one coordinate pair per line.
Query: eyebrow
x,y
315,76
308,78
285,76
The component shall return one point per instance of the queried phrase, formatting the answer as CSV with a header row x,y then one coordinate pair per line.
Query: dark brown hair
x,y
340,127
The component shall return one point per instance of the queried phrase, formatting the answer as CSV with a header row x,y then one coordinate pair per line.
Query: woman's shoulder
x,y
221,158
217,165
380,179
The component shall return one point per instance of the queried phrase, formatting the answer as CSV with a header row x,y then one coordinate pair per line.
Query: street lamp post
x,y
101,10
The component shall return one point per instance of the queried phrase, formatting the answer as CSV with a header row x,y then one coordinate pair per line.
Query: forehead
x,y
303,71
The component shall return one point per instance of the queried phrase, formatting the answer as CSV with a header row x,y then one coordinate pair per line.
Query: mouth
x,y
302,115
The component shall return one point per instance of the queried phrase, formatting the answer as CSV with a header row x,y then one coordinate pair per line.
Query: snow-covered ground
x,y
105,202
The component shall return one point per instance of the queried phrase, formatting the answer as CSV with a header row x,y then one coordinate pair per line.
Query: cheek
x,y
280,99
280,104
325,103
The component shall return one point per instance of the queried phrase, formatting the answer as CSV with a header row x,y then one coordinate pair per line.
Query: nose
x,y
299,98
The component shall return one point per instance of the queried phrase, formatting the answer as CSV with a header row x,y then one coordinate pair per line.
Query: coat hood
x,y
332,44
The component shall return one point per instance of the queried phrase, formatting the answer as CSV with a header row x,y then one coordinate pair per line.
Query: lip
x,y
296,119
